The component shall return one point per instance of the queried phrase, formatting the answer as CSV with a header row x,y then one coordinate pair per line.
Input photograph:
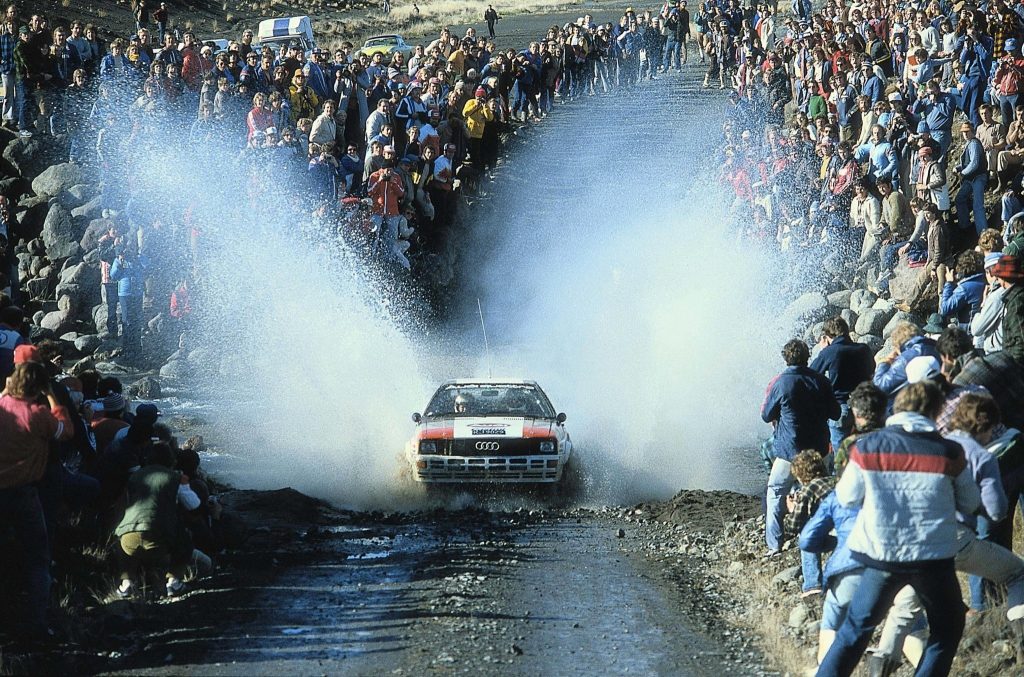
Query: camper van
x,y
275,32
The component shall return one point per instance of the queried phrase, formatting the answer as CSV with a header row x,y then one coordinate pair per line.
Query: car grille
x,y
490,447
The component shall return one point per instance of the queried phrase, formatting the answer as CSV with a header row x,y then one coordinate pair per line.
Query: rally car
x,y
489,431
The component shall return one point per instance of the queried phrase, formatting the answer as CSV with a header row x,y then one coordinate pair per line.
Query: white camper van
x,y
275,32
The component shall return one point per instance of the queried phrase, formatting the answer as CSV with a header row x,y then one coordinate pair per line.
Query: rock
x,y
24,156
94,231
175,369
871,340
13,186
57,321
37,247
797,616
809,307
811,629
38,288
146,388
30,216
60,234
786,576
840,299
872,321
99,318
81,192
861,300
39,333
885,350
58,178
890,326
89,210
621,533
87,344
735,567
69,337
849,316
38,317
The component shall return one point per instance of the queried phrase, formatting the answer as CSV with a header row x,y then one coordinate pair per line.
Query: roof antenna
x,y
487,346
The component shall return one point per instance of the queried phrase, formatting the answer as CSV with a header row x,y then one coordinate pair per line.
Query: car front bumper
x,y
538,469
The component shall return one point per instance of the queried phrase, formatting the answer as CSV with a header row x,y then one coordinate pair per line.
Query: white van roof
x,y
285,27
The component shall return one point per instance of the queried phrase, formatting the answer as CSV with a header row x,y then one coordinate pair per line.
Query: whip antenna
x,y
483,327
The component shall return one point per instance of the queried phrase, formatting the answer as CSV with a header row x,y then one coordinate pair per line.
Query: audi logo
x,y
487,446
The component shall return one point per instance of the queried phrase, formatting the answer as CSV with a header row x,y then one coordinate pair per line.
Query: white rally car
x,y
489,431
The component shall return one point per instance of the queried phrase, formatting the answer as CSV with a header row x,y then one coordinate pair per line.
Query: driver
x,y
463,402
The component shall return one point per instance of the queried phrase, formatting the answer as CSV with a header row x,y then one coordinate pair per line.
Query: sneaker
x,y
810,593
126,589
175,588
771,554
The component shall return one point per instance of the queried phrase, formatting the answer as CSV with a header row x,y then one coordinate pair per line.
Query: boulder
x,y
37,247
175,369
861,300
92,209
897,318
885,350
872,321
57,321
873,341
31,216
38,288
87,344
146,388
13,186
58,178
69,337
38,316
60,234
80,193
786,576
809,307
40,333
849,316
24,156
840,299
99,318
797,616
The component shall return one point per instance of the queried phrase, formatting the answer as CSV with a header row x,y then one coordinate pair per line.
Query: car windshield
x,y
469,399
380,42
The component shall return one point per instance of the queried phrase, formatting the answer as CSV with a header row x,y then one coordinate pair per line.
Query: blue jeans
x,y
839,429
671,55
810,565
21,510
780,481
841,590
1007,106
936,586
971,197
21,103
131,324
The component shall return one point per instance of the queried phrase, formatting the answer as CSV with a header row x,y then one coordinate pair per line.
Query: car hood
x,y
483,427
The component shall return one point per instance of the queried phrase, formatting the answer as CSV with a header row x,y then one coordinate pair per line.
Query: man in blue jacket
x,y
891,372
129,270
909,483
847,364
965,286
798,402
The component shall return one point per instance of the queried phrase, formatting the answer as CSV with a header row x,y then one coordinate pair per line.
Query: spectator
x,y
891,371
987,324
1008,271
27,429
918,547
846,364
151,531
798,403
965,285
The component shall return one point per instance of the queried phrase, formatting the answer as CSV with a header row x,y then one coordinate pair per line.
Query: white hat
x,y
923,368
895,96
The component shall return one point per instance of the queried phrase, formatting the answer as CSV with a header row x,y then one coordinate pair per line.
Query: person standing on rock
x,y
798,403
29,76
846,364
128,271
491,17
909,482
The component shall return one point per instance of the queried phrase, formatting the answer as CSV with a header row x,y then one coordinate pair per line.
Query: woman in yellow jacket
x,y
305,103
477,115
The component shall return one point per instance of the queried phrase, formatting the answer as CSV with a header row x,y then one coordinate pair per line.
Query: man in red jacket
x,y
386,191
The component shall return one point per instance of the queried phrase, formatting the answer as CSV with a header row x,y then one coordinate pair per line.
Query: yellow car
x,y
386,45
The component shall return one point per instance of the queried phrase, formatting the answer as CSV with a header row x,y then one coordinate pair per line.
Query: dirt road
x,y
469,592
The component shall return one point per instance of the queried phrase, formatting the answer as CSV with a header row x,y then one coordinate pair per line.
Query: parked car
x,y
386,45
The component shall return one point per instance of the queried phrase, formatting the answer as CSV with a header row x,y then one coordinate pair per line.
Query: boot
x,y
882,666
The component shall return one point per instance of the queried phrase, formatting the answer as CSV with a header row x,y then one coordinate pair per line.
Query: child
x,y
815,484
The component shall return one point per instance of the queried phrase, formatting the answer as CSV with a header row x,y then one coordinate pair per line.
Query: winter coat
x,y
799,401
909,482
816,536
963,300
891,378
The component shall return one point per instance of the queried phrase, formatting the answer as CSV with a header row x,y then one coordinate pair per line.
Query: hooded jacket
x,y
909,482
963,300
799,401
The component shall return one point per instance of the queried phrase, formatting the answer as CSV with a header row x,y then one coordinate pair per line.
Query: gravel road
x,y
470,592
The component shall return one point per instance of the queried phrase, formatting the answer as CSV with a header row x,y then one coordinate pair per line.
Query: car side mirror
x,y
561,418
416,418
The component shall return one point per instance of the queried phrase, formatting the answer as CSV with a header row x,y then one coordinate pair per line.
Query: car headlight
x,y
547,447
428,447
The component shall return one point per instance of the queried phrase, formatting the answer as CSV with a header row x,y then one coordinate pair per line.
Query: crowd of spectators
x,y
877,146
379,147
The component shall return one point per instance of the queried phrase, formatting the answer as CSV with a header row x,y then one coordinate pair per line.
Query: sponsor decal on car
x,y
488,428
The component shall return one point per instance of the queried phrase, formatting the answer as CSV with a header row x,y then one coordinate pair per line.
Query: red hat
x,y
27,353
480,91
1007,268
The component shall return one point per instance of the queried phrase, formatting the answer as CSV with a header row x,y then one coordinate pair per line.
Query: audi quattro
x,y
489,431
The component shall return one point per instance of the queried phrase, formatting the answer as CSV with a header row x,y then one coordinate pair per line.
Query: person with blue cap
x,y
1009,80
